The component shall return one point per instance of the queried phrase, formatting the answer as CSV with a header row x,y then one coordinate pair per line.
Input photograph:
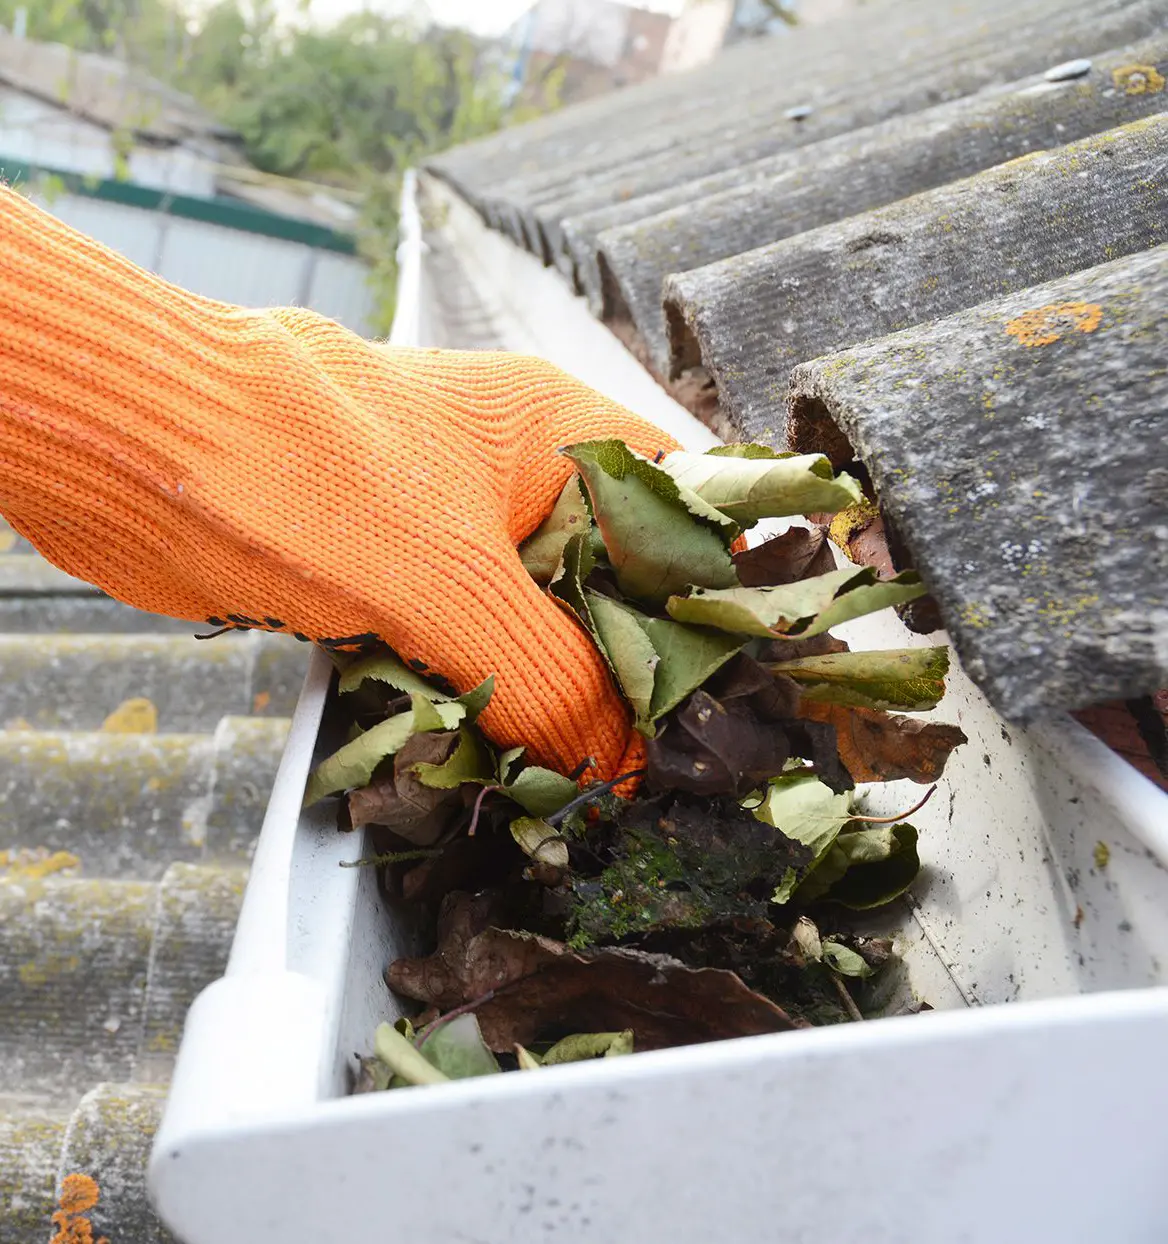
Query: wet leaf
x,y
468,761
353,766
137,716
663,1002
400,800
884,747
681,863
806,608
400,1056
845,960
472,957
458,1050
800,553
630,653
659,537
537,839
541,553
865,868
540,792
713,748
907,679
587,1045
749,488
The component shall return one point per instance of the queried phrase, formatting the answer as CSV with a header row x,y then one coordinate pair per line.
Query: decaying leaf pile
x,y
720,900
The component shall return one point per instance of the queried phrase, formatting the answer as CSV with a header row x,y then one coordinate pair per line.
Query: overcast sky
x,y
484,16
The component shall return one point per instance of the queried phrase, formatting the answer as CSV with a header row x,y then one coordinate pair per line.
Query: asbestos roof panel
x,y
748,320
751,85
623,268
964,62
1021,450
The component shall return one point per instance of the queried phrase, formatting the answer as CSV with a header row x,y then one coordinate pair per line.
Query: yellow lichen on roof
x,y
1138,79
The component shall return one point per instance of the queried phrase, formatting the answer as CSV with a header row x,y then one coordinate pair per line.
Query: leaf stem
x,y
891,820
593,792
478,807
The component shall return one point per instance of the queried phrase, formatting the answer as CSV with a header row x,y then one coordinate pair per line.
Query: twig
x,y
889,820
846,998
394,857
442,1020
478,807
589,762
593,792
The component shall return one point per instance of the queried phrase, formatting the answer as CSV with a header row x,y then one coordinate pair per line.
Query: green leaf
x,y
477,698
659,537
844,960
458,1051
471,762
867,868
658,663
785,888
801,807
385,667
541,553
795,610
507,761
587,1045
567,585
630,653
905,679
426,716
400,1056
353,766
751,487
540,792
688,655
537,839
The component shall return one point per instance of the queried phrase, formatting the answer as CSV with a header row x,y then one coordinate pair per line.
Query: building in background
x,y
597,45
144,169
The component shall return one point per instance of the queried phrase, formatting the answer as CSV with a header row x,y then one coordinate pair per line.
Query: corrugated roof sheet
x,y
918,177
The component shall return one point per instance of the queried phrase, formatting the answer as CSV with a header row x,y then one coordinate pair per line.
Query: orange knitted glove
x,y
269,468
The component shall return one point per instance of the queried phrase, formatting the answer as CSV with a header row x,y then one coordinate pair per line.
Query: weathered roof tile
x,y
1021,450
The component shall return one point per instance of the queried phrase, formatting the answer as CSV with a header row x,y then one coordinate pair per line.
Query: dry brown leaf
x,y
796,554
420,814
472,958
664,1002
886,747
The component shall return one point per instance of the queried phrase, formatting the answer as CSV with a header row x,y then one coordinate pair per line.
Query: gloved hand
x,y
270,468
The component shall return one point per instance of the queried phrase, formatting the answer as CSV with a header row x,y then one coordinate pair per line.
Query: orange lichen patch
x,y
79,1194
1138,79
1045,325
261,701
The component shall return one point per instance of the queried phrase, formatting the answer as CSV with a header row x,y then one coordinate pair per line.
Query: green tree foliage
x,y
351,105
